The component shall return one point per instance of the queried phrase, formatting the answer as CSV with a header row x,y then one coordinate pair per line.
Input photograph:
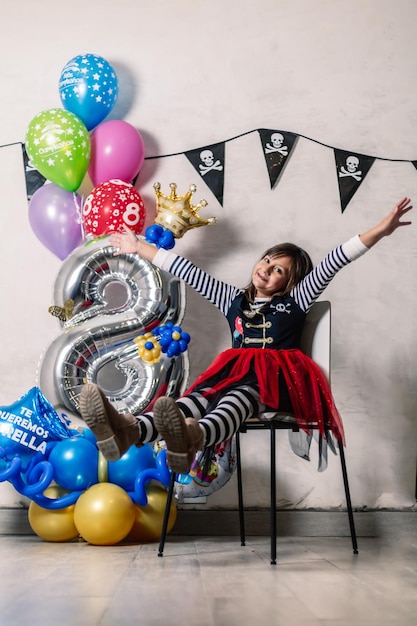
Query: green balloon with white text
x,y
58,146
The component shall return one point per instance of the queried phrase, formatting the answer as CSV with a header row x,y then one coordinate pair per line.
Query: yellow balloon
x,y
104,514
149,519
53,524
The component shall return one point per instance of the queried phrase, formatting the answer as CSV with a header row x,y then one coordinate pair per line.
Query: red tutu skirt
x,y
306,386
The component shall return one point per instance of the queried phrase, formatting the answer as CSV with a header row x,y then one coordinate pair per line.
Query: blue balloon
x,y
29,426
124,471
174,349
57,503
167,240
88,87
75,463
183,345
11,469
36,481
161,237
153,233
88,434
161,473
165,341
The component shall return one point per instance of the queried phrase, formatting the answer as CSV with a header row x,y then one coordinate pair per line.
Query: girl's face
x,y
270,275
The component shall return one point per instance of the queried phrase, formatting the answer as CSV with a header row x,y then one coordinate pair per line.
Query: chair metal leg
x,y
273,427
348,499
166,514
273,496
240,492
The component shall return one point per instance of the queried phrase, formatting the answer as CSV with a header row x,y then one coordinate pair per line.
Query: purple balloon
x,y
54,215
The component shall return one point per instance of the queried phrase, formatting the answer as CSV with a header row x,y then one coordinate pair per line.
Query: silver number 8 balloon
x,y
113,300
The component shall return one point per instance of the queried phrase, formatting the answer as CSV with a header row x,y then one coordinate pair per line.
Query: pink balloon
x,y
54,215
117,152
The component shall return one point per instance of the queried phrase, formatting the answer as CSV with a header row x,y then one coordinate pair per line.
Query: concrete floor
x,y
212,581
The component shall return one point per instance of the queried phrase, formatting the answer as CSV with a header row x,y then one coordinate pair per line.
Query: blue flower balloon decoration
x,y
173,339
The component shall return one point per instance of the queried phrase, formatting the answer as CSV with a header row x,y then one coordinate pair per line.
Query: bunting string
x,y
248,132
209,161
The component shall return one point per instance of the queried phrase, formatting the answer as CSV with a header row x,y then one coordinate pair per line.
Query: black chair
x,y
315,343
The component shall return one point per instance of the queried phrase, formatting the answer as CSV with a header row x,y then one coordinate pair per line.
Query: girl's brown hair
x,y
301,265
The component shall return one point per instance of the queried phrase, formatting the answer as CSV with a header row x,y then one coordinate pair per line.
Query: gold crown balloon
x,y
176,213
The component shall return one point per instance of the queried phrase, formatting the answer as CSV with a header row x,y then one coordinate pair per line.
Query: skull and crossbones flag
x,y
34,180
351,171
277,146
209,163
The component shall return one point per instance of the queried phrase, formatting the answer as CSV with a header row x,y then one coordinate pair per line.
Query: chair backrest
x,y
315,340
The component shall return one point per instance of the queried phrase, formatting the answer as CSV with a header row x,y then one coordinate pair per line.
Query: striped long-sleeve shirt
x,y
275,323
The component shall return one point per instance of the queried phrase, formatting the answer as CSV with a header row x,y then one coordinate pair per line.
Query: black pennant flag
x,y
351,171
277,146
34,180
209,163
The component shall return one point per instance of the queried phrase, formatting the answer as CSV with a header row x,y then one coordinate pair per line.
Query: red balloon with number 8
x,y
111,205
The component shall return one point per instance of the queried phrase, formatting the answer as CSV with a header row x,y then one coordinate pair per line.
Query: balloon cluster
x,y
66,144
167,339
74,491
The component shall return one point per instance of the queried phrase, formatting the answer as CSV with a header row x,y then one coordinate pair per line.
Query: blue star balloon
x,y
88,87
29,426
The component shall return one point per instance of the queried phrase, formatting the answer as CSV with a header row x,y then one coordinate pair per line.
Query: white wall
x,y
192,73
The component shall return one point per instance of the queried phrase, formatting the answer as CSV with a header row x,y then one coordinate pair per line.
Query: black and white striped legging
x,y
233,408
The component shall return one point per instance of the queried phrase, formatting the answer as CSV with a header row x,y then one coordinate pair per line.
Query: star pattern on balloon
x,y
53,130
111,205
88,87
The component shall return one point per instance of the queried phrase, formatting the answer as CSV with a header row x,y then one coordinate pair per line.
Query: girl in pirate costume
x,y
265,368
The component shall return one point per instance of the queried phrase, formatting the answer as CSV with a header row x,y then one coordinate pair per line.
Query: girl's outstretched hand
x,y
126,243
389,224
393,220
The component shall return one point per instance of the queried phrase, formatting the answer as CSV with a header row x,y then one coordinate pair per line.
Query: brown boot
x,y
183,436
115,432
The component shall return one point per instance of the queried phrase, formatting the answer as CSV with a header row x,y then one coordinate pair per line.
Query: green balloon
x,y
58,145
